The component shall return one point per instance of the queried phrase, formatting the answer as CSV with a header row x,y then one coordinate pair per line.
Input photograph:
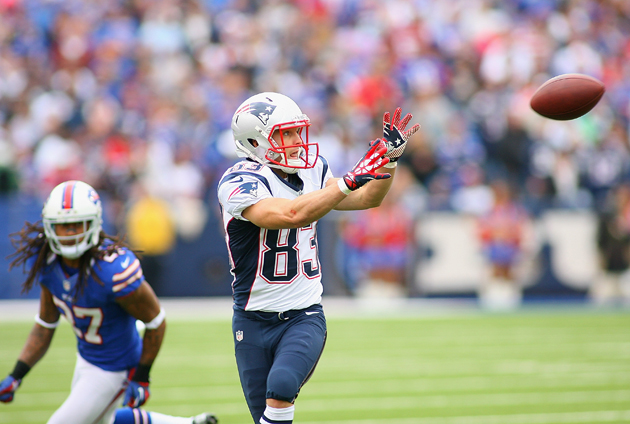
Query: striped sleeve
x,y
127,277
126,274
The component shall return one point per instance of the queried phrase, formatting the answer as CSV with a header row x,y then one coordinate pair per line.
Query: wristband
x,y
157,321
20,370
391,164
343,187
142,373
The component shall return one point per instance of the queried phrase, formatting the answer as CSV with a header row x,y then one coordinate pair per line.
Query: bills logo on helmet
x,y
246,188
260,110
94,197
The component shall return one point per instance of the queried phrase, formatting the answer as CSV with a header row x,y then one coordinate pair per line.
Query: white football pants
x,y
95,395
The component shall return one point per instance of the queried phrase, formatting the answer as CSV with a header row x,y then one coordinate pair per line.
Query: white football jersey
x,y
274,270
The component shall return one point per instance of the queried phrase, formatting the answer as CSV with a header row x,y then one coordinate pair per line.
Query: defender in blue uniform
x,y
97,284
271,202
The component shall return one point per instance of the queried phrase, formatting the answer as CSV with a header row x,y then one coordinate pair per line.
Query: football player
x,y
271,202
96,282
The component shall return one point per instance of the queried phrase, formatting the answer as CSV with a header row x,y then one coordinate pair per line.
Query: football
x,y
567,96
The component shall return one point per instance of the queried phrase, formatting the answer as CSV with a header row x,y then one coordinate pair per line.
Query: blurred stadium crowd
x,y
136,97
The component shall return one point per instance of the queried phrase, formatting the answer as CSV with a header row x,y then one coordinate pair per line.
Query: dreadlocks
x,y
31,242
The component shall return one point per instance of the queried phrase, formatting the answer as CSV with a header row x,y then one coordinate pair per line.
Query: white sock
x,y
278,415
157,418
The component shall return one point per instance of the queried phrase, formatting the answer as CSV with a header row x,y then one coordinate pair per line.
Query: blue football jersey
x,y
106,333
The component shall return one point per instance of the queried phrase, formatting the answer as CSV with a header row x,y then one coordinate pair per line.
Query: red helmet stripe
x,y
68,192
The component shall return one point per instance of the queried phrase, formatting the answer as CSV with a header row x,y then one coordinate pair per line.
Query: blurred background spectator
x,y
613,242
502,230
376,246
136,96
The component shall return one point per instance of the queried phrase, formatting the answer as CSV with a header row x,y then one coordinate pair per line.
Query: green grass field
x,y
540,367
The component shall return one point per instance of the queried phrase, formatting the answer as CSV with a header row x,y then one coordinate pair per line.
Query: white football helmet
x,y
73,202
258,117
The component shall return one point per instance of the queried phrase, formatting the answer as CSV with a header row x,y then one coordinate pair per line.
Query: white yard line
x,y
441,402
549,418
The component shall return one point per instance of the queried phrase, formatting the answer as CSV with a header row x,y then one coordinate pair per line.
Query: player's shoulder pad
x,y
119,270
247,166
245,172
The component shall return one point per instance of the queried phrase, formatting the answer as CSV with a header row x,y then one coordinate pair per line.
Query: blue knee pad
x,y
282,384
132,416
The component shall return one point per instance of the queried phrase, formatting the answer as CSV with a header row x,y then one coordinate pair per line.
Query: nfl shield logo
x,y
66,285
239,335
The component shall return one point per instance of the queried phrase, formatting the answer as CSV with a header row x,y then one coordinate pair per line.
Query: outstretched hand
x,y
365,169
395,135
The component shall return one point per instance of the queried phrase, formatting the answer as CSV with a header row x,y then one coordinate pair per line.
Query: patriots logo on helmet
x,y
260,110
246,188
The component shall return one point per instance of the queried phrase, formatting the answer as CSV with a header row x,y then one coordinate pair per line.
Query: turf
x,y
539,367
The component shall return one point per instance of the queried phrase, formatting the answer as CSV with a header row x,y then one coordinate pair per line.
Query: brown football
x,y
567,96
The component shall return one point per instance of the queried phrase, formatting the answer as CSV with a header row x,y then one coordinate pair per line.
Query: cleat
x,y
205,418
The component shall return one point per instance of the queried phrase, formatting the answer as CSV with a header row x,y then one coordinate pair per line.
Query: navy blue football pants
x,y
276,353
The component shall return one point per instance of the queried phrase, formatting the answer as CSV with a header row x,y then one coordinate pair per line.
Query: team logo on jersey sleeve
x,y
246,188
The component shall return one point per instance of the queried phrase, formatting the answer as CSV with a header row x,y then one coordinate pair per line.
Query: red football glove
x,y
8,386
136,394
365,170
395,135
